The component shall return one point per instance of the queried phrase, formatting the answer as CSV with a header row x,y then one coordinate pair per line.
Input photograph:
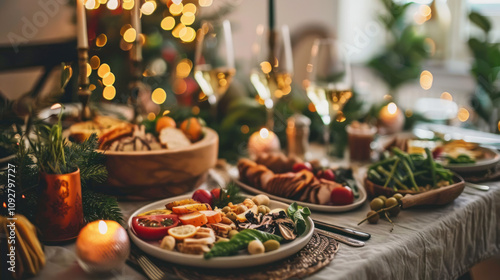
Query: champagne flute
x,y
272,69
330,83
214,61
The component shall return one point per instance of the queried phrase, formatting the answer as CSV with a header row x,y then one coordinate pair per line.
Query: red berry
x,y
326,174
341,196
215,193
437,152
301,166
203,196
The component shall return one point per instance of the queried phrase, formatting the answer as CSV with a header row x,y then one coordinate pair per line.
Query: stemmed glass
x,y
272,68
329,83
214,61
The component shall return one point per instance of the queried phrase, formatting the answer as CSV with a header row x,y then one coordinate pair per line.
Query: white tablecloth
x,y
438,243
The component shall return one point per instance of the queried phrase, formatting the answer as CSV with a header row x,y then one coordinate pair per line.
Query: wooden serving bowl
x,y
439,196
145,175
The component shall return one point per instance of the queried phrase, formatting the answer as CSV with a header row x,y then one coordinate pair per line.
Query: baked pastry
x,y
277,162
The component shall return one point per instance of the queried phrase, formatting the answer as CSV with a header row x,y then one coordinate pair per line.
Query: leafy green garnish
x,y
231,193
299,215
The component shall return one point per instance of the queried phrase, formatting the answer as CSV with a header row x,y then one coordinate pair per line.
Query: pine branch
x,y
97,206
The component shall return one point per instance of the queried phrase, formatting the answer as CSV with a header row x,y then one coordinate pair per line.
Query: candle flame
x,y
264,133
55,106
4,205
392,108
103,228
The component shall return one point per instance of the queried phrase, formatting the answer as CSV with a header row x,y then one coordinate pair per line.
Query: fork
x,y
151,269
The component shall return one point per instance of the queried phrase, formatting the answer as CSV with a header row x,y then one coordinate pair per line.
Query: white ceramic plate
x,y
313,207
492,157
243,260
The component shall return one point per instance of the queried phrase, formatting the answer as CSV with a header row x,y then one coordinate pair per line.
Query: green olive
x,y
226,209
398,196
241,209
391,202
271,245
232,216
263,209
232,233
377,204
383,197
374,219
222,239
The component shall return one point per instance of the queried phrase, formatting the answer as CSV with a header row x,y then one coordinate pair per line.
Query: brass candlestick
x,y
83,83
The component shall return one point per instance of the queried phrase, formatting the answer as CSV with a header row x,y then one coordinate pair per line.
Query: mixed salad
x,y
221,223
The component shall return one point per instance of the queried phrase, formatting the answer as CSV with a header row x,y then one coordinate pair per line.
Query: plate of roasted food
x,y
220,229
414,174
289,179
155,159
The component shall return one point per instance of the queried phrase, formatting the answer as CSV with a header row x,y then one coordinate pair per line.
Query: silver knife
x,y
346,240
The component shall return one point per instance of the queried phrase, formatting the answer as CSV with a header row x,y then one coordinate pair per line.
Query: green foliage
x,y
97,206
231,193
485,69
401,60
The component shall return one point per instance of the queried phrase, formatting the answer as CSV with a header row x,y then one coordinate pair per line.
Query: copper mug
x,y
60,211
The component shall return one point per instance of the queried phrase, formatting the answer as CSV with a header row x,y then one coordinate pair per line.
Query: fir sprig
x,y
231,193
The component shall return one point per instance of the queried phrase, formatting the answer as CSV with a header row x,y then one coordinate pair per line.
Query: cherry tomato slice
x,y
203,196
154,227
341,196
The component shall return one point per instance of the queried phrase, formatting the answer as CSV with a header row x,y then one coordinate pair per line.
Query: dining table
x,y
439,242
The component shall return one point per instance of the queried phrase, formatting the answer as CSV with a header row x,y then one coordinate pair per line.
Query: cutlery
x,y
477,187
342,230
152,270
343,239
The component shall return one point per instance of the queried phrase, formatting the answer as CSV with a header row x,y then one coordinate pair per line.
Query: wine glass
x,y
214,61
272,68
329,85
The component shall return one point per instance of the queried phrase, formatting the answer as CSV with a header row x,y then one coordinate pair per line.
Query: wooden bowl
x,y
439,196
157,174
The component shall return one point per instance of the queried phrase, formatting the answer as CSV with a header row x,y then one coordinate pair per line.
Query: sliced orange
x,y
164,122
182,232
195,219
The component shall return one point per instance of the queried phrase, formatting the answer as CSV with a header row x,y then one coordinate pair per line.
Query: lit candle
x,y
391,118
263,141
81,25
102,246
136,52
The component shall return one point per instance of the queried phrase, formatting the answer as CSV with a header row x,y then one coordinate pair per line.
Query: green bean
x,y
431,167
403,156
382,163
386,173
391,175
373,174
410,175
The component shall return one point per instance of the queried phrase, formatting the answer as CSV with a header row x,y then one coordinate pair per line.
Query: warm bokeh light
x,y
166,112
195,110
180,86
446,96
125,28
90,4
151,116
187,18
92,87
148,8
408,113
205,3
176,9
463,114
89,70
108,79
245,129
101,40
189,8
55,106
112,4
187,34
392,108
130,35
184,68
159,96
311,107
340,117
426,80
103,1
264,133
109,92
423,14
95,62
128,4
498,125
103,70
266,67
103,228
168,23
125,46
177,30
431,45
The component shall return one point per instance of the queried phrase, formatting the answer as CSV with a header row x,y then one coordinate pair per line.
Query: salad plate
x,y
236,261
